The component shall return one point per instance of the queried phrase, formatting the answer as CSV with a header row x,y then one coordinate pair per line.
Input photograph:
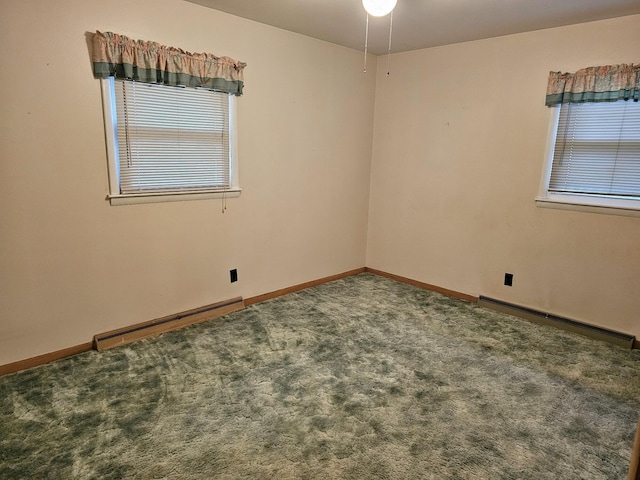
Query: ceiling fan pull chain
x,y
366,43
389,51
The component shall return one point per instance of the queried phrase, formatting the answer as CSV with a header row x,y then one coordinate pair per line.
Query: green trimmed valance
x,y
609,83
149,62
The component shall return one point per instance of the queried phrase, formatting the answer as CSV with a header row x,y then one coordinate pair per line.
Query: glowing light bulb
x,y
379,8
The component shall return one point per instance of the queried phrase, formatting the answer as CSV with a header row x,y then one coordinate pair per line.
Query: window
x,y
594,156
169,143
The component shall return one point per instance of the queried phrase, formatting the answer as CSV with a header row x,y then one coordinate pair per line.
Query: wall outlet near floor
x,y
508,279
234,275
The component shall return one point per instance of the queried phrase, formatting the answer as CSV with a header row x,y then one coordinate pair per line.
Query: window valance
x,y
149,62
608,83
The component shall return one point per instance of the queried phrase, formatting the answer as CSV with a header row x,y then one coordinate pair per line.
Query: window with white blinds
x,y
597,149
596,155
169,140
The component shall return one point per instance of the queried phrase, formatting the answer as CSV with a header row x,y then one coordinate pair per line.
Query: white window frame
x,y
117,198
573,201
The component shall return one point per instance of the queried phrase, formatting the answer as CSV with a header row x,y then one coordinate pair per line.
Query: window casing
x,y
593,158
169,143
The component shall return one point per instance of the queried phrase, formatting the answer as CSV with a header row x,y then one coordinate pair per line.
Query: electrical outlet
x,y
234,275
508,279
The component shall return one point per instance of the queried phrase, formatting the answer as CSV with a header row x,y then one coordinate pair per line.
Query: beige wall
x,y
72,266
459,141
452,180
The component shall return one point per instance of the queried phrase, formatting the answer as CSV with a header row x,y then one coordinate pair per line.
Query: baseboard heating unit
x,y
149,329
611,336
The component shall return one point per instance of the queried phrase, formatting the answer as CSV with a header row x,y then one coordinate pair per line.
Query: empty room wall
x,y
72,266
454,152
459,140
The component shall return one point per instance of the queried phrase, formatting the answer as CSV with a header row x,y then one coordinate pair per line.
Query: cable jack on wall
x,y
378,8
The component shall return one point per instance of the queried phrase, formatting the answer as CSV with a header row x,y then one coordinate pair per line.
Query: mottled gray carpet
x,y
361,378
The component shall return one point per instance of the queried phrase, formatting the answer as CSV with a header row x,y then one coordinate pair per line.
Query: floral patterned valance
x,y
609,83
149,62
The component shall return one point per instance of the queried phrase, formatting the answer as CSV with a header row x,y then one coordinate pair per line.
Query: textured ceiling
x,y
420,23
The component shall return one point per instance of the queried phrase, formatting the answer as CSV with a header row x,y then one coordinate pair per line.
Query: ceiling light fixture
x,y
378,8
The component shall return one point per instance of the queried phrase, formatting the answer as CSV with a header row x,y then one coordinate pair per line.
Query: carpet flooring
x,y
360,378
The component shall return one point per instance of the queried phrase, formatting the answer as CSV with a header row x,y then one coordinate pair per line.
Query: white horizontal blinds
x,y
597,149
171,138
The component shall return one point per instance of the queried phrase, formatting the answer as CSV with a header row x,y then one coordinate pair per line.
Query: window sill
x,y
591,204
132,199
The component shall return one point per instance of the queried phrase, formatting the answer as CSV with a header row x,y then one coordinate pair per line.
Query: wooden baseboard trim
x,y
43,359
634,466
301,286
171,322
152,328
636,345
426,286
